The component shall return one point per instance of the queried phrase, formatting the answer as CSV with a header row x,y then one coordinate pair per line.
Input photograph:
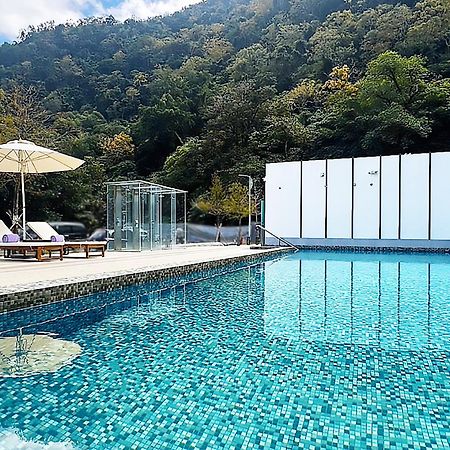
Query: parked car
x,y
70,230
100,234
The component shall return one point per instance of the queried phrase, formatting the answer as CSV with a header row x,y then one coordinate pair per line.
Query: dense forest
x,y
222,88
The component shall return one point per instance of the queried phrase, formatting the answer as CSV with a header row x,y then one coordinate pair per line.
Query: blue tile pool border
x,y
44,295
364,249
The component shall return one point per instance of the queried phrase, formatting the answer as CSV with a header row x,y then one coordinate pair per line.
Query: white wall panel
x,y
414,196
283,199
366,194
389,197
440,196
339,210
313,199
382,197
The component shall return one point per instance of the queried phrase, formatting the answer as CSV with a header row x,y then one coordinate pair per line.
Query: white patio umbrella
x,y
26,157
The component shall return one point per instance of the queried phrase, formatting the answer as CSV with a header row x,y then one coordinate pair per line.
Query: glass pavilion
x,y
145,216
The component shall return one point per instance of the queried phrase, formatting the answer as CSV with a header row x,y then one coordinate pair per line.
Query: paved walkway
x,y
22,274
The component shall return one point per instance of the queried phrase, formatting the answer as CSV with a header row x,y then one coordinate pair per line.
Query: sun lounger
x,y
47,233
38,248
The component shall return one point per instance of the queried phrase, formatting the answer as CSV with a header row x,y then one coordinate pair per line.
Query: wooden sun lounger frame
x,y
37,247
45,231
87,246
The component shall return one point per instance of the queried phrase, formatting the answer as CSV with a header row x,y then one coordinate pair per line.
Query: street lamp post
x,y
250,185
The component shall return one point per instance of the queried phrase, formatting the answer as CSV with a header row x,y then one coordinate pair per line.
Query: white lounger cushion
x,y
43,230
4,229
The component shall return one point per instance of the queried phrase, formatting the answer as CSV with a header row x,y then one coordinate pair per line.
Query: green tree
x,y
333,43
236,204
395,106
398,98
22,116
227,85
188,167
429,34
214,203
164,125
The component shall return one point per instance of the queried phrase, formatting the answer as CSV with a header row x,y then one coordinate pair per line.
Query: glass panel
x,y
165,220
146,243
180,219
144,216
110,215
155,221
173,219
117,218
127,221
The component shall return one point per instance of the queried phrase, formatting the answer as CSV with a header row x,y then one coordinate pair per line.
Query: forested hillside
x,y
224,87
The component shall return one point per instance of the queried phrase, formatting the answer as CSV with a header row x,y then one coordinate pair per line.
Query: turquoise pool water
x,y
311,351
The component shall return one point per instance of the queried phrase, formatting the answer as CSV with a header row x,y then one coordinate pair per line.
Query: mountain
x,y
223,87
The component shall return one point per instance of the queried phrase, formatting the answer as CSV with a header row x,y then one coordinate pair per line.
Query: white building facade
x,y
394,201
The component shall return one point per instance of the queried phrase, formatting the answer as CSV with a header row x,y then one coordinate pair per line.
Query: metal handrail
x,y
277,237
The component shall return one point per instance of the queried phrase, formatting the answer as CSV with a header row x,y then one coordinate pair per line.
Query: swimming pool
x,y
314,350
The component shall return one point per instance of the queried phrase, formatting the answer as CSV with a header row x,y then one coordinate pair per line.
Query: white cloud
x,y
16,15
19,14
142,9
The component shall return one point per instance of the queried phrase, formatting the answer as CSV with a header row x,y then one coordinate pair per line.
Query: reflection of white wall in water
x,y
389,305
281,313
389,197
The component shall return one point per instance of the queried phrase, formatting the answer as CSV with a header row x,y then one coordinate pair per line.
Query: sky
x,y
16,15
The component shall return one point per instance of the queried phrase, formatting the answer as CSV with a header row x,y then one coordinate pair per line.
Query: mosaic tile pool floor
x,y
312,351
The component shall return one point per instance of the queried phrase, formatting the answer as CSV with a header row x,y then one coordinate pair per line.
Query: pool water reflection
x,y
309,351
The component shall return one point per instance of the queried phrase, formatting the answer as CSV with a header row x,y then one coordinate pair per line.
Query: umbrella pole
x,y
22,179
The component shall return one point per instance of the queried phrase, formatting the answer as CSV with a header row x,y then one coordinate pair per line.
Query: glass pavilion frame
x,y
145,216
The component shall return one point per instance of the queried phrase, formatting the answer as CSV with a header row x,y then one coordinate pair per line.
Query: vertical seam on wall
x,y
380,191
429,196
326,198
399,233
